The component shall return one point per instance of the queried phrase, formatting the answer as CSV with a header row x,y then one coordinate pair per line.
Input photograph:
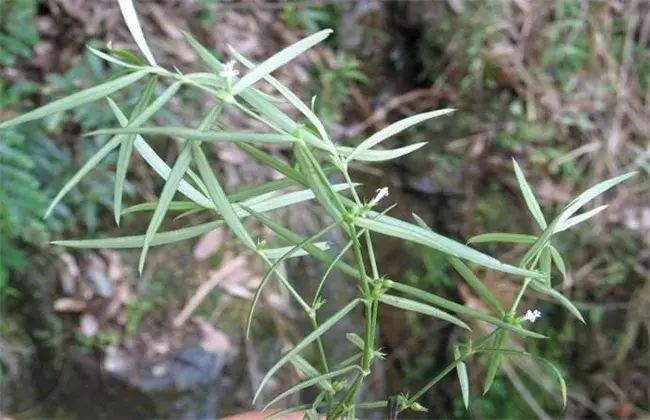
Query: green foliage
x,y
18,33
357,219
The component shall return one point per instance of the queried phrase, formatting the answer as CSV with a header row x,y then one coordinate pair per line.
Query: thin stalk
x,y
319,343
368,343
520,294
451,367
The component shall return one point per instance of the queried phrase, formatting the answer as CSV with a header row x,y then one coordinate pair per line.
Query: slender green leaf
x,y
372,404
589,195
171,186
317,181
76,99
292,237
551,366
173,206
542,240
397,228
324,327
273,162
559,297
178,171
126,149
278,60
137,241
476,284
461,309
275,253
557,260
113,60
198,135
463,378
381,155
159,165
513,238
310,371
569,223
132,22
269,273
393,129
219,197
311,382
545,264
413,306
287,93
203,52
529,197
495,359
81,173
355,339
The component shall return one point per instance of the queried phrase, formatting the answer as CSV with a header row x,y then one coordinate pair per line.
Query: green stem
x,y
319,343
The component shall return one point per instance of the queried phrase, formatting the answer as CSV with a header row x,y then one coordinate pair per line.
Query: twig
x,y
224,271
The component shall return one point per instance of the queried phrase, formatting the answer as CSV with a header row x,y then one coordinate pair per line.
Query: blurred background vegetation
x,y
561,85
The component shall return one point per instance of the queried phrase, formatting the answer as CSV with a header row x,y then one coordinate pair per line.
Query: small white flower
x,y
381,193
229,70
532,315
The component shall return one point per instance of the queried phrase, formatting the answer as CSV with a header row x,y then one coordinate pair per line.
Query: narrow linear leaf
x,y
381,155
559,297
81,173
476,284
199,135
557,260
393,129
515,353
112,59
355,339
310,371
311,382
324,327
292,237
275,253
76,99
219,197
317,181
542,240
159,165
287,93
545,264
463,378
512,238
397,228
203,52
272,270
127,148
132,22
529,197
151,206
495,360
278,60
137,241
413,306
589,195
178,171
273,162
569,223
461,309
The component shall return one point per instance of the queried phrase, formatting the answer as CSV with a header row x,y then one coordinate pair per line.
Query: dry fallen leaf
x,y
212,340
70,275
209,244
69,305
